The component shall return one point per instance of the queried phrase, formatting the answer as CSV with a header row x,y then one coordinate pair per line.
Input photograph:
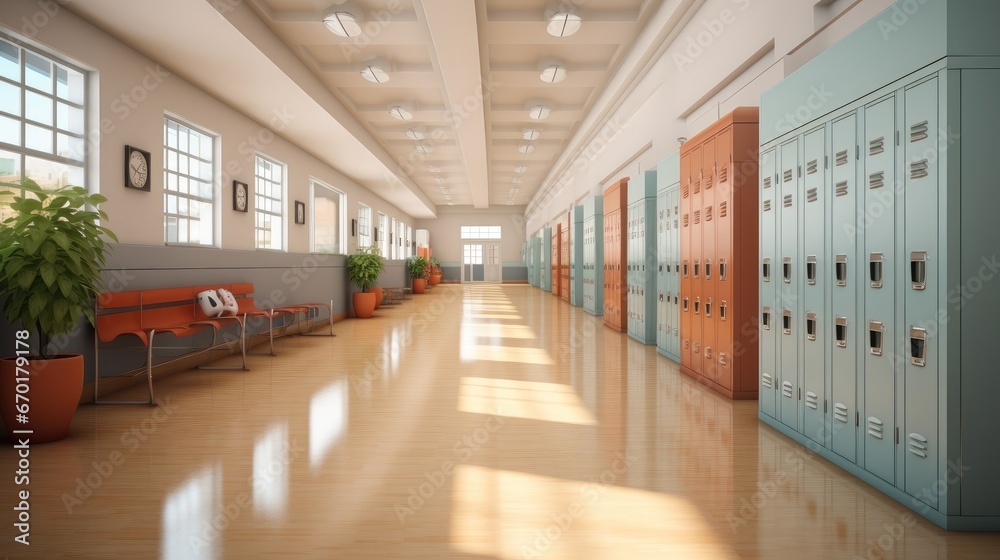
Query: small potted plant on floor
x,y
52,249
363,269
435,271
417,268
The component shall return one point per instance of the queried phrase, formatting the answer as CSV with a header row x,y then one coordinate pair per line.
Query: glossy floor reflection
x,y
480,422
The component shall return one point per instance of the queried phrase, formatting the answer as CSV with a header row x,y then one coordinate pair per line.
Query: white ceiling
x,y
466,69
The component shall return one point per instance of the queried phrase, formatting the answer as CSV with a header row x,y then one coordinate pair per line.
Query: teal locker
x,y
576,259
545,274
593,255
844,275
642,259
674,277
879,150
668,256
768,284
812,284
538,259
789,313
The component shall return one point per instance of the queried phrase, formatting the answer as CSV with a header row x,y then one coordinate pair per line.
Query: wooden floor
x,y
480,422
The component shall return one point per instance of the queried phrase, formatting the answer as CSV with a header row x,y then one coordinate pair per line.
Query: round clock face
x,y
241,197
301,213
138,170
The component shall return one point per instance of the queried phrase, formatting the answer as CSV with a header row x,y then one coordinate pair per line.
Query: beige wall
x,y
445,231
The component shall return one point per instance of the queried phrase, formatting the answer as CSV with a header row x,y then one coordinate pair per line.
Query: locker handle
x,y
722,269
685,304
765,318
786,270
708,269
918,346
661,296
696,269
661,268
786,321
840,324
685,269
697,304
811,266
708,308
765,269
875,262
918,270
811,326
875,332
841,270
722,310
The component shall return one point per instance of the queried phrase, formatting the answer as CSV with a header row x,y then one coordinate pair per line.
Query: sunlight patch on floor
x,y
531,400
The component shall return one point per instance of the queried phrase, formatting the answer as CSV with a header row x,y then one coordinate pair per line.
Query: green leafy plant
x,y
417,267
434,262
364,267
52,250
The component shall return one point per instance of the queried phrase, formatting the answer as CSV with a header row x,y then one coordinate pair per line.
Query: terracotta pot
x,y
419,284
364,304
435,279
378,296
52,387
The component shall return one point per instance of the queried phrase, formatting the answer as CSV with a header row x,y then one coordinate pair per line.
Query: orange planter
x,y
378,296
419,284
52,391
435,279
364,304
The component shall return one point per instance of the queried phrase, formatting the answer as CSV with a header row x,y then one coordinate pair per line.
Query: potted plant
x,y
417,268
363,269
435,271
52,249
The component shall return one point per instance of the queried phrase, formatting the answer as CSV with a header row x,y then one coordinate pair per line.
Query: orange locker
x,y
556,257
615,303
720,166
564,246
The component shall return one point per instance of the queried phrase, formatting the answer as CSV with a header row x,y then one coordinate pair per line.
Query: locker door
x,y
686,314
630,259
722,272
920,249
879,148
844,276
787,274
647,293
675,271
769,311
709,302
663,237
813,336
697,243
547,259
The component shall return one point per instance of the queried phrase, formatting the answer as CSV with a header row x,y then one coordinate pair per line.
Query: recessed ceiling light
x,y
424,148
400,112
521,169
342,23
553,73
414,134
532,134
564,24
433,168
539,112
517,180
439,180
375,71
526,148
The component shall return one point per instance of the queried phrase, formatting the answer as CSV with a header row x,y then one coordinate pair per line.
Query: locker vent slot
x,y
722,310
812,167
786,321
697,185
723,174
875,427
786,270
841,270
811,326
841,158
841,188
708,307
876,180
875,331
787,201
787,390
766,269
918,445
697,305
697,217
723,268
811,267
812,195
686,220
918,346
708,214
723,209
767,182
766,381
723,361
788,175
918,270
918,169
686,191
876,146
812,400
840,413
708,182
767,205
918,132
875,262
841,327
765,318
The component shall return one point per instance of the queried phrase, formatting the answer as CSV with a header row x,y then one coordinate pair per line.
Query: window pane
x,y
38,108
38,138
69,118
10,131
191,182
10,98
70,147
52,175
10,63
37,72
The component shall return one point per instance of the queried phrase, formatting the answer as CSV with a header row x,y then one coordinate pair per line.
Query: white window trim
x,y
216,181
342,218
284,203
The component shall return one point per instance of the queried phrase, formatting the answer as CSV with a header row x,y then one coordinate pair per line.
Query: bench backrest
x,y
139,310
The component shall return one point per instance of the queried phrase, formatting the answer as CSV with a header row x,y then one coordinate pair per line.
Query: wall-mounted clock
x,y
241,196
300,212
137,174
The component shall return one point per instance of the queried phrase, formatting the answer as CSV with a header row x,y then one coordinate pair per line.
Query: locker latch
x,y
811,266
840,324
697,304
811,325
918,346
875,330
786,321
765,269
696,268
765,318
918,270
685,269
722,269
685,304
841,270
708,352
875,262
708,308
708,269
722,310
786,269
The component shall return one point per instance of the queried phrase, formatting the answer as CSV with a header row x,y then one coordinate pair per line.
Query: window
x,y
382,234
42,120
394,245
328,218
364,226
408,243
480,232
188,175
473,254
269,207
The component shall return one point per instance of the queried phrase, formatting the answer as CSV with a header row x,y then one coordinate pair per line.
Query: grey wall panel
x,y
513,273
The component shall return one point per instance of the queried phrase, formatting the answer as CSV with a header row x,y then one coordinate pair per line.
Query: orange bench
x,y
247,306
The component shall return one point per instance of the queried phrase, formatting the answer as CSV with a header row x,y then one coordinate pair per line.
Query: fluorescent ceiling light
x,y
400,112
375,71
414,134
564,24
517,180
521,169
433,168
342,23
539,112
553,73
526,148
532,134
424,148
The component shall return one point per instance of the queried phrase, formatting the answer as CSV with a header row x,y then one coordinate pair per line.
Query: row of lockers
x,y
718,261
615,254
668,243
593,255
642,259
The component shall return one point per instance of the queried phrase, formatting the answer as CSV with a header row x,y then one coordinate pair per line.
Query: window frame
x,y
282,202
341,244
383,238
216,207
481,232
364,225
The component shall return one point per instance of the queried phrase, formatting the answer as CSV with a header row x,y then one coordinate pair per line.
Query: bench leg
x,y
149,378
310,333
243,348
270,337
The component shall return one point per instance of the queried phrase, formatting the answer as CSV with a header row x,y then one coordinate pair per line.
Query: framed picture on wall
x,y
300,212
241,196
